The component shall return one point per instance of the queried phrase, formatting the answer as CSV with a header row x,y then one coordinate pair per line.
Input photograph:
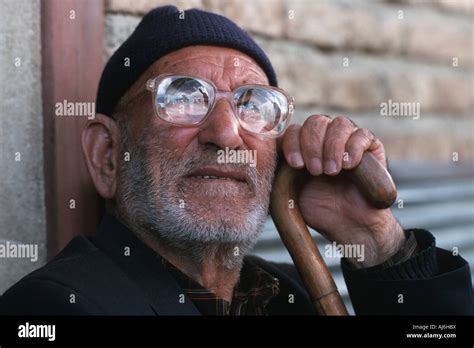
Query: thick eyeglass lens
x,y
259,109
185,100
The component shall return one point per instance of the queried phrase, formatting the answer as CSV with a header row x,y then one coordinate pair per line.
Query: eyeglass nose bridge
x,y
227,96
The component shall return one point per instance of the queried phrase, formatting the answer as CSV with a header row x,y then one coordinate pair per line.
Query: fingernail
x,y
315,166
330,167
296,160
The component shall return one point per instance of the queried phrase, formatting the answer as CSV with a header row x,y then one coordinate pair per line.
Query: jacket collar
x,y
141,264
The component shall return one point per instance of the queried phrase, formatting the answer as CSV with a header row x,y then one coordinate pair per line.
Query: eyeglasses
x,y
188,101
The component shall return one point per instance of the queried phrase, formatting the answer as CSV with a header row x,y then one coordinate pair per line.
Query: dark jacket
x,y
114,273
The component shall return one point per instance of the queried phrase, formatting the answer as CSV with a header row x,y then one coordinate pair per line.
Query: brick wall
x,y
344,57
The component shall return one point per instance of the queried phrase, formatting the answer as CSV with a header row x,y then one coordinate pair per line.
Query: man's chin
x,y
216,211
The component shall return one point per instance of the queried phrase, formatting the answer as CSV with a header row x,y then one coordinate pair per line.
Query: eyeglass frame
x,y
153,83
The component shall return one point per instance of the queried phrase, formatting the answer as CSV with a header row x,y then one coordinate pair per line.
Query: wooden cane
x,y
375,183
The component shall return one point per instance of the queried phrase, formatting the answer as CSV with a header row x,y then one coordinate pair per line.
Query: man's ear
x,y
100,146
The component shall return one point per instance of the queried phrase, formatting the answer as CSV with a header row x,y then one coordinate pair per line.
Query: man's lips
x,y
212,173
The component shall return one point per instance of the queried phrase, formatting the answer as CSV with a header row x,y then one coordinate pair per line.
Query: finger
x,y
335,140
312,140
356,145
378,150
360,141
291,146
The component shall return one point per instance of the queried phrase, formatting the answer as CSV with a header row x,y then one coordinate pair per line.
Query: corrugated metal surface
x,y
435,197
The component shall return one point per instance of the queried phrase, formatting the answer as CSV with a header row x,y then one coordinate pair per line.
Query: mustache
x,y
209,158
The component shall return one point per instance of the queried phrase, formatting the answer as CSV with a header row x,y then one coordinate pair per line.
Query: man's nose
x,y
221,128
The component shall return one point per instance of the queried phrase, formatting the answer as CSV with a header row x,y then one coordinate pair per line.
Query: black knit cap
x,y
162,31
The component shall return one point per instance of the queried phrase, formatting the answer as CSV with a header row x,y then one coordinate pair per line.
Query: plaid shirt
x,y
254,290
256,287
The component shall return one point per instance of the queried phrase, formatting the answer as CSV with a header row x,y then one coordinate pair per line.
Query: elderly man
x,y
179,222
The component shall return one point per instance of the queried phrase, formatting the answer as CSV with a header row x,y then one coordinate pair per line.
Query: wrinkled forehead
x,y
219,64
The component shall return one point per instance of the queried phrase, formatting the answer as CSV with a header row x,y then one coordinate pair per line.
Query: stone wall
x,y
343,57
22,206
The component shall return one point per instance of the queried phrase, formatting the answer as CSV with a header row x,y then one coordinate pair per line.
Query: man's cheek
x,y
177,138
266,158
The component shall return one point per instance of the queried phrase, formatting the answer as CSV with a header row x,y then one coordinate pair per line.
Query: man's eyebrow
x,y
246,77
252,77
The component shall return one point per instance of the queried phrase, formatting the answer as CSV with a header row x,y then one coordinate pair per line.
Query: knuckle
x,y
365,135
315,121
342,121
312,130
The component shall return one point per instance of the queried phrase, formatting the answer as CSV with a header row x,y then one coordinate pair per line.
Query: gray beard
x,y
151,209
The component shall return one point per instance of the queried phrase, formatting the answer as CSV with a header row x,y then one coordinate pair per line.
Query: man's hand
x,y
329,202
